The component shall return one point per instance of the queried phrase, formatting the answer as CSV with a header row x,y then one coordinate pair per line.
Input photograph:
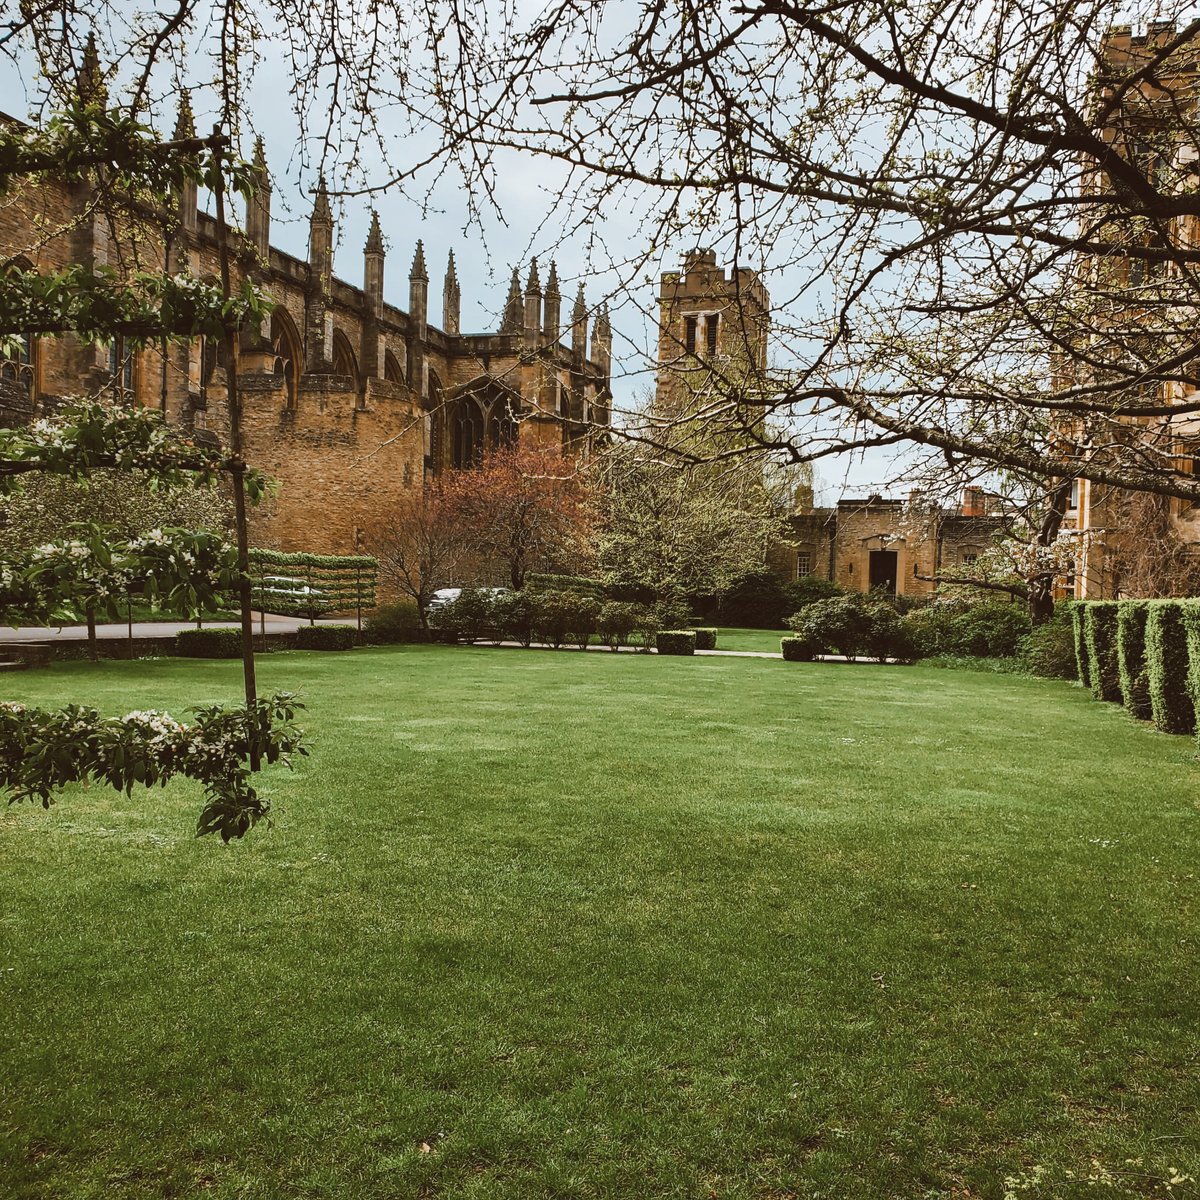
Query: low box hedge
x,y
1100,637
706,639
209,643
326,637
675,641
796,649
1167,668
1131,657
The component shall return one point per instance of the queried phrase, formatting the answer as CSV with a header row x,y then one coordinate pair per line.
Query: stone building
x,y
899,546
349,400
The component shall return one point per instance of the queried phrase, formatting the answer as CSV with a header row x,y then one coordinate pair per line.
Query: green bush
x,y
616,622
672,613
676,641
839,625
465,618
796,649
326,637
957,627
512,617
579,585
757,600
1100,636
806,590
209,643
706,639
1082,671
399,621
646,627
1131,657
1049,650
553,616
1167,668
584,615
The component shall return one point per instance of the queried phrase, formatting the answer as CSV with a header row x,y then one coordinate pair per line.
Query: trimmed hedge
x,y
580,585
326,637
1100,639
1131,656
209,643
1167,668
396,622
1191,630
675,641
1077,628
796,649
706,639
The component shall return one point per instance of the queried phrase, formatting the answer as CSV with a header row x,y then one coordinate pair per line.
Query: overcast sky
x,y
523,224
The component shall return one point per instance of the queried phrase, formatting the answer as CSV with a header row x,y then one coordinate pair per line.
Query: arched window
x,y
121,374
18,359
17,364
501,423
466,430
392,371
285,341
344,360
435,427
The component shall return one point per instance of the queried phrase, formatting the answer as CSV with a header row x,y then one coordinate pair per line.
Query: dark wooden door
x,y
882,571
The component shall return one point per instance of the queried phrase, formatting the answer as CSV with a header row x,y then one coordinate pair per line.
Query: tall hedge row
x,y
1145,654
1171,707
1100,639
1131,656
1078,608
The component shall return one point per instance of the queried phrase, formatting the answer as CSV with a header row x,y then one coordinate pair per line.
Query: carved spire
x,y
374,236
322,214
418,265
534,284
579,323
513,315
185,123
533,306
90,81
552,310
258,206
602,339
451,298
260,151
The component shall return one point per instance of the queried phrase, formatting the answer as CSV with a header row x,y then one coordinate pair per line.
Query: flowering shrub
x,y
84,435
44,750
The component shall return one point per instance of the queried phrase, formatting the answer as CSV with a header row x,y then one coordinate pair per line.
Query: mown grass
x,y
551,925
763,640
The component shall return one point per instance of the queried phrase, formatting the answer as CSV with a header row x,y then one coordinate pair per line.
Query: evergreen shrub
x,y
512,617
1082,671
399,621
796,649
616,622
1100,637
676,641
326,637
1167,668
1131,657
209,643
1049,650
706,639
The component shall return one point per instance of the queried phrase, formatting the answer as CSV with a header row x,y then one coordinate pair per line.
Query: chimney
x,y
974,502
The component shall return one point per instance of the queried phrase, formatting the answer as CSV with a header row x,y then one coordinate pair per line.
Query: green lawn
x,y
586,925
764,640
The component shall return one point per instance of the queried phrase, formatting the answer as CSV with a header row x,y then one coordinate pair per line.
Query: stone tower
x,y
712,330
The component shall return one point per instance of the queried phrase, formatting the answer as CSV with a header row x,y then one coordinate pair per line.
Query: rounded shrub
x,y
616,622
585,613
512,617
326,637
676,641
465,618
389,624
838,625
209,643
553,616
1049,650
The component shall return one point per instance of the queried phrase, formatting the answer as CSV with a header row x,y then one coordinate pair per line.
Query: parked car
x,y
441,598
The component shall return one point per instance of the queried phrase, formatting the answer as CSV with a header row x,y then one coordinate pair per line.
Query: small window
x,y
710,333
1073,503
803,564
969,559
120,367
689,334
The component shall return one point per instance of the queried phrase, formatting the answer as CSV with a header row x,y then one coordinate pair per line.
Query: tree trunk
x,y
1041,587
93,645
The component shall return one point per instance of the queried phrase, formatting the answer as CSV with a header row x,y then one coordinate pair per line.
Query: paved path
x,y
141,629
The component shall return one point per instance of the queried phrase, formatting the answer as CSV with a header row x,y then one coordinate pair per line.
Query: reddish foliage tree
x,y
525,507
423,543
